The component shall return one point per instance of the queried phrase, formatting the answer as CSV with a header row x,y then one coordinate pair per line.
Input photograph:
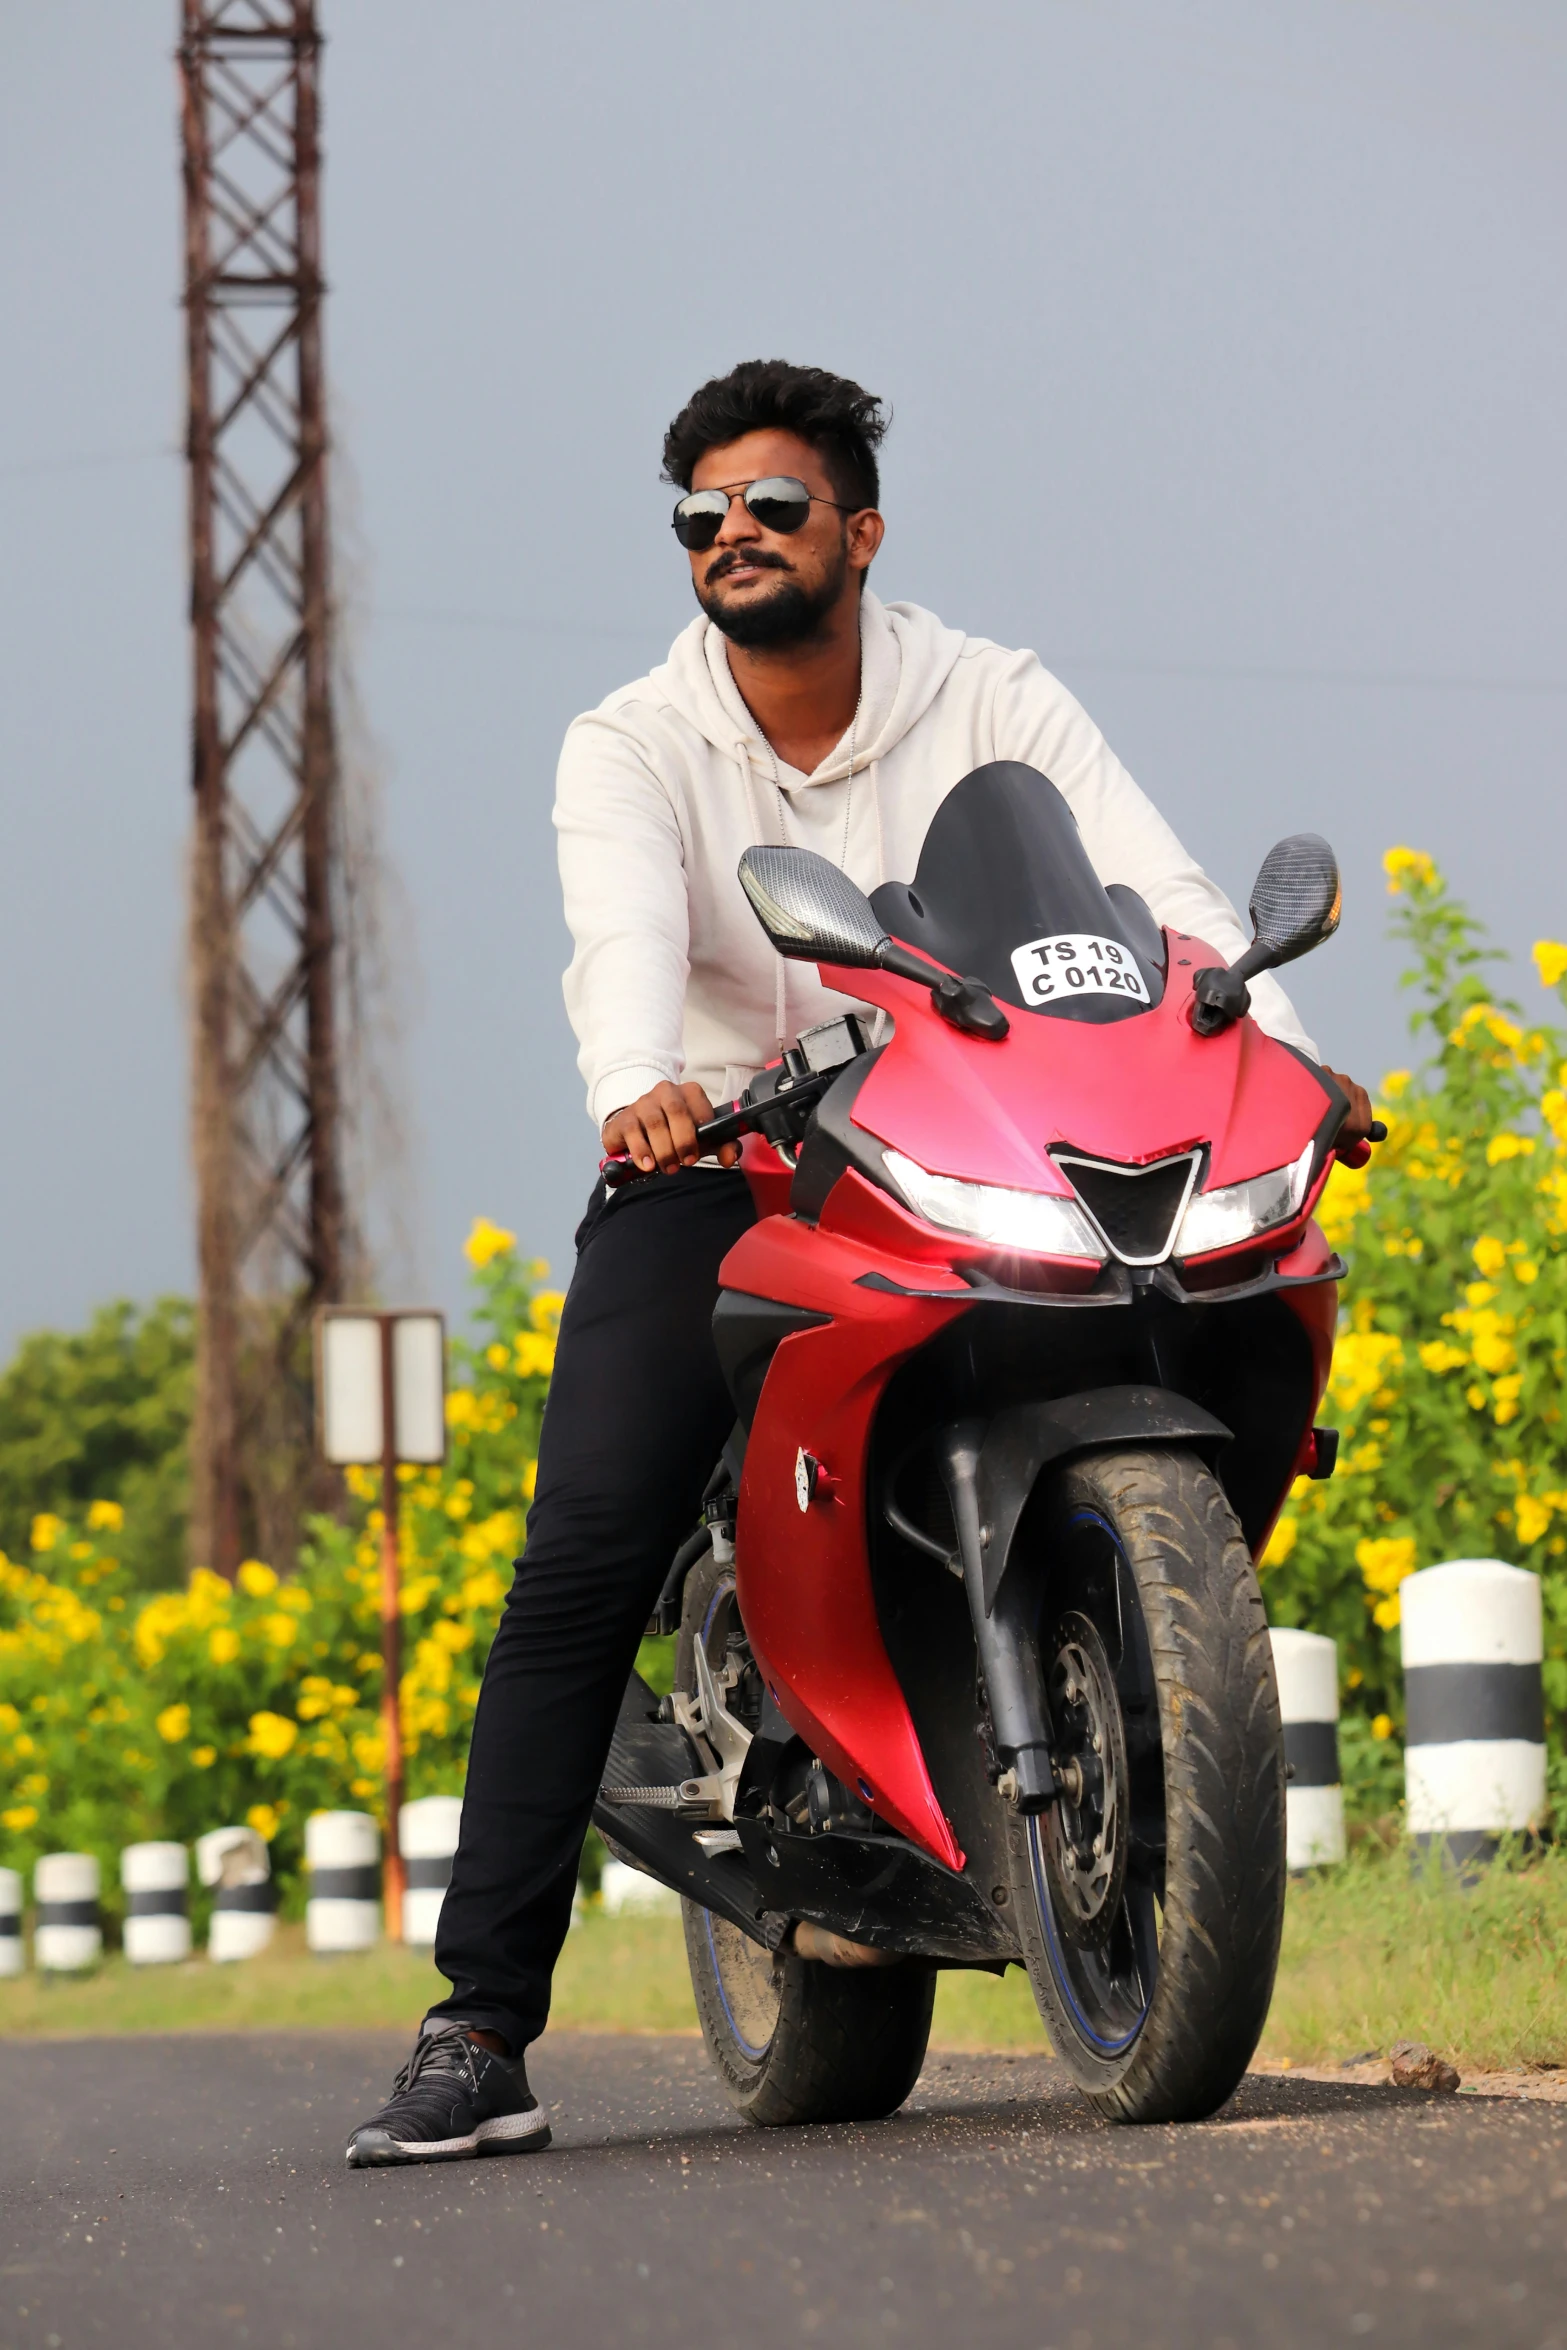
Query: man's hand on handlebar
x,y
1360,1128
659,1130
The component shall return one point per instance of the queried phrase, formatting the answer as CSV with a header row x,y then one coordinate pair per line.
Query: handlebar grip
x,y
1376,1131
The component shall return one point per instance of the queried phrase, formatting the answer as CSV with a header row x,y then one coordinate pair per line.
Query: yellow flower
x,y
461,1409
1387,1613
271,1735
1385,1560
496,1356
279,1630
1475,1398
1280,1542
1362,1361
1396,1084
1404,867
264,1820
223,1646
296,1599
487,1241
1531,1518
47,1530
105,1517
1550,960
21,1817
203,1757
1438,1356
1505,1394
174,1724
1508,1146
255,1579
1491,1341
1348,1192
534,1354
1526,1270
1490,1255
546,1310
1382,1727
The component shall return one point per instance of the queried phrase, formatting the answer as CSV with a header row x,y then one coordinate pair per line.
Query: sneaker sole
x,y
507,2133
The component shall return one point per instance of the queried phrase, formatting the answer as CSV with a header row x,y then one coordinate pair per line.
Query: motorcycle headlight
x,y
1218,1219
1035,1221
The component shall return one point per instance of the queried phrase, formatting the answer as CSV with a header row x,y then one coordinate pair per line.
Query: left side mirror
x,y
811,911
1296,901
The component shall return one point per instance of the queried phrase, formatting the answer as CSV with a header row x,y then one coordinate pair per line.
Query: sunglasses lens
x,y
699,519
779,503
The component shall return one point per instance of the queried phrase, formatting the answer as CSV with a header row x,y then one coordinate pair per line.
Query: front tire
x,y
792,2040
1151,1901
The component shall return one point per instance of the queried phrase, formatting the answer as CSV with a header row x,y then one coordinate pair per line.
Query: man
x,y
797,708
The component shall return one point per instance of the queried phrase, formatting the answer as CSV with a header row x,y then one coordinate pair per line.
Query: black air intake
x,y
1138,1209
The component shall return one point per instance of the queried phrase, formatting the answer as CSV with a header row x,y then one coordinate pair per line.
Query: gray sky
x,y
1227,347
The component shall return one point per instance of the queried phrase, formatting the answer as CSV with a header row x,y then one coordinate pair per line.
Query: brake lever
x,y
1358,1154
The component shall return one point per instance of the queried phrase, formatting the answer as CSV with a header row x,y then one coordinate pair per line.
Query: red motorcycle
x,y
1026,1347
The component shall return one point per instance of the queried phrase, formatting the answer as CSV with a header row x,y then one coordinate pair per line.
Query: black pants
x,y
637,1416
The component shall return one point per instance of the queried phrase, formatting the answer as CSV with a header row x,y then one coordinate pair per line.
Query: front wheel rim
x,y
1099,1912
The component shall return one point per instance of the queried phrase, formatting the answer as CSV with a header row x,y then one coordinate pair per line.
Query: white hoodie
x,y
664,784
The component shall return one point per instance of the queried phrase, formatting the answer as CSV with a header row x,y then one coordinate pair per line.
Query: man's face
x,y
764,587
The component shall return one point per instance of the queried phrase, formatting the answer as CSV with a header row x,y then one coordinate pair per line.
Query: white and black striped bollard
x,y
12,1955
427,1832
244,1911
343,1858
67,1922
157,1917
1474,1752
1307,1667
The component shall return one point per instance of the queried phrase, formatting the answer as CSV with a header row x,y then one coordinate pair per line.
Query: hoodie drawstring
x,y
743,754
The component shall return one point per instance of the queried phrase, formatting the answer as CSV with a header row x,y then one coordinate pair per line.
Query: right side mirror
x,y
811,911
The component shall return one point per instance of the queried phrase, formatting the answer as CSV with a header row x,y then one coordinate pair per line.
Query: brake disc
x,y
1085,1830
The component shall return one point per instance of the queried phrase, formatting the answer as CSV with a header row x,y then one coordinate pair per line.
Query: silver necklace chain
x,y
848,797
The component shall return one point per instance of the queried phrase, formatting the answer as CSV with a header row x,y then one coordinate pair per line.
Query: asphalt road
x,y
191,2191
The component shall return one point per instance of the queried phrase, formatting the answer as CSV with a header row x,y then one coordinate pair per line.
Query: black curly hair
x,y
844,424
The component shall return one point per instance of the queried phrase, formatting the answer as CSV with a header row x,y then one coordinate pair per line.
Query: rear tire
x,y
791,2039
1157,2013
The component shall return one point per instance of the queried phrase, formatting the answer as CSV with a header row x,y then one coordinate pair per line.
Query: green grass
x,y
1384,1949
1374,1952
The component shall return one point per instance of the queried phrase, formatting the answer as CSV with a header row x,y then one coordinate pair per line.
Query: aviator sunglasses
x,y
778,502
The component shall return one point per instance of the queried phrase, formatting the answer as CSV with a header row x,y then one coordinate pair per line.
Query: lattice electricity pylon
x,y
265,870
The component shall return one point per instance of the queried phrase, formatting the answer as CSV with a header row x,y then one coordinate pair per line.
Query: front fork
x,y
1005,1636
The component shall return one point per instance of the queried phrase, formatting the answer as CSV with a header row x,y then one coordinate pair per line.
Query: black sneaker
x,y
452,2097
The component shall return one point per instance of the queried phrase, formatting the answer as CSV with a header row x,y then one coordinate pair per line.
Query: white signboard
x,y
350,1405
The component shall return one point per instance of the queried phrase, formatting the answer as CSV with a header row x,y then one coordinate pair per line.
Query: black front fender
x,y
1021,1442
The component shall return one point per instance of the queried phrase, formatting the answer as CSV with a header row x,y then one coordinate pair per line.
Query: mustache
x,y
759,558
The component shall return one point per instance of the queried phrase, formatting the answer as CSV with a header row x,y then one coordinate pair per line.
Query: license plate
x,y
1074,962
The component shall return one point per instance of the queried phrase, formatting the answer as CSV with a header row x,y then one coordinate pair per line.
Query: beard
x,y
790,615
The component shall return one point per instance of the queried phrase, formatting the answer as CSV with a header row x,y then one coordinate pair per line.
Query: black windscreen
x,y
1004,884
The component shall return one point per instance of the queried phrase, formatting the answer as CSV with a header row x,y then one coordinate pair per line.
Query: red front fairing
x,y
959,1105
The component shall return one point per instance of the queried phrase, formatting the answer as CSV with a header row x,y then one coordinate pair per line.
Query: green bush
x,y
125,1716
103,1414
1449,1370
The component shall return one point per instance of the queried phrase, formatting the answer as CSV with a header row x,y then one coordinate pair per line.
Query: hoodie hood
x,y
906,657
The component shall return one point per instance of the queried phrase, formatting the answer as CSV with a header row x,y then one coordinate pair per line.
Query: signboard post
x,y
381,1398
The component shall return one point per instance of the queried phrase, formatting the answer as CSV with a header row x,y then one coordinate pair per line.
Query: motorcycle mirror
x,y
1295,904
811,911
1296,901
